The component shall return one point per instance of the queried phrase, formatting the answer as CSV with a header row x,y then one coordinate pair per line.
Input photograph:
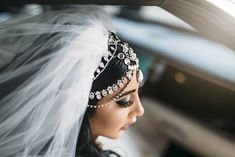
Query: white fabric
x,y
48,108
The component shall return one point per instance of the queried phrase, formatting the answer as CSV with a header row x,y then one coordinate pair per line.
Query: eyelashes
x,y
125,102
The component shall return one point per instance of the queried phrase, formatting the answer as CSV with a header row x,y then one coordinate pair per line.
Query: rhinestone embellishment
x,y
128,57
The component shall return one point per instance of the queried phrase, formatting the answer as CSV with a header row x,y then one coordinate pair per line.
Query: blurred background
x,y
186,50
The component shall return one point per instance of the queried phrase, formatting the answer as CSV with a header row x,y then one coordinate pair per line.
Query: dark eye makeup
x,y
124,102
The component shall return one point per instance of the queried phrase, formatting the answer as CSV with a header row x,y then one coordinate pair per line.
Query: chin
x,y
115,136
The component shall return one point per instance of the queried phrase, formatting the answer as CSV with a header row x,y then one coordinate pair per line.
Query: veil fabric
x,y
47,63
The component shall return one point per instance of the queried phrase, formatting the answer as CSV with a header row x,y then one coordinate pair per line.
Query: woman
x,y
66,79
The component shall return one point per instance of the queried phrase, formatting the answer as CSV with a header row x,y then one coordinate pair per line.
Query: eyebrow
x,y
126,93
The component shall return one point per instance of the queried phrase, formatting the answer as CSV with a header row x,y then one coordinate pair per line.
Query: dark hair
x,y
116,68
86,147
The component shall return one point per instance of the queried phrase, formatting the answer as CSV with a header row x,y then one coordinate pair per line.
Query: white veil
x,y
55,55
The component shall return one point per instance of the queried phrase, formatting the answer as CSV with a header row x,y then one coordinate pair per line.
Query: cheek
x,y
108,121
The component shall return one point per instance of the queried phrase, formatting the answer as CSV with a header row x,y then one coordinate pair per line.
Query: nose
x,y
139,109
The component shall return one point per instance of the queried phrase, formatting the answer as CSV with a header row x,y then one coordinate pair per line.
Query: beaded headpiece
x,y
126,54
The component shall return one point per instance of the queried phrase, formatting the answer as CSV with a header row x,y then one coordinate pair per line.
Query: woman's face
x,y
112,120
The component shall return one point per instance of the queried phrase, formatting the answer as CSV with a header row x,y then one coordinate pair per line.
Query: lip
x,y
125,127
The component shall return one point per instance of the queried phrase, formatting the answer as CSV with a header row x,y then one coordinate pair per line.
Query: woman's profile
x,y
66,79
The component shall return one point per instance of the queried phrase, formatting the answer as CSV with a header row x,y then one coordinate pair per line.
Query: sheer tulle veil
x,y
53,55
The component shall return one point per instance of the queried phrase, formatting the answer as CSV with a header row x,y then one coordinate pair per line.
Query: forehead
x,y
132,84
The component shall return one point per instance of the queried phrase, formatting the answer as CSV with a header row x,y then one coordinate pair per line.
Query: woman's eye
x,y
125,102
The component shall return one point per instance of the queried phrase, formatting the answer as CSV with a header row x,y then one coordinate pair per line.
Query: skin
x,y
112,120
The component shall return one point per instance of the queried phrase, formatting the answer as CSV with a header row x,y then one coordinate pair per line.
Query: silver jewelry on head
x,y
140,76
129,58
